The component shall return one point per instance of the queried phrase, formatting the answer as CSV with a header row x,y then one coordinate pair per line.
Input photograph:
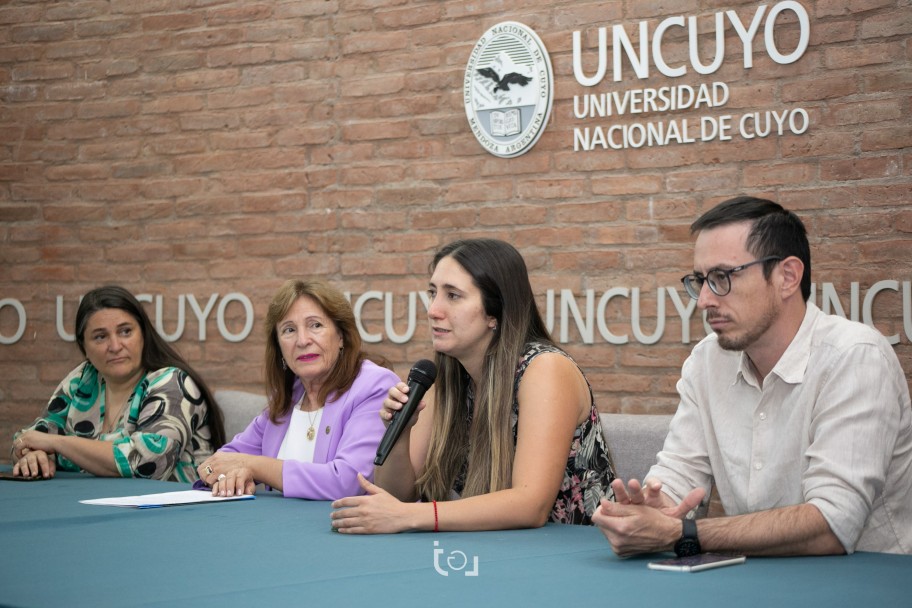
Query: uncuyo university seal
x,y
508,89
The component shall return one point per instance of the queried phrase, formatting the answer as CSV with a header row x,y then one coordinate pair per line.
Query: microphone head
x,y
424,372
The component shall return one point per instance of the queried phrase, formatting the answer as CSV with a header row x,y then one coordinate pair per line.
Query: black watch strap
x,y
689,543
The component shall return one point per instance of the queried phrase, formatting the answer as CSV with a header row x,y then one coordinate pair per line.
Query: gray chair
x,y
634,440
239,408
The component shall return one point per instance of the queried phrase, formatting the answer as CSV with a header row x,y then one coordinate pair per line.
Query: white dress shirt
x,y
830,426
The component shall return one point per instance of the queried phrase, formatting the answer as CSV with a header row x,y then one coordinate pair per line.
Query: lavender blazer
x,y
350,431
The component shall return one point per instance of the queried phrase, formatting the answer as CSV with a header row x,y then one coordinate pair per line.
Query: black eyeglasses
x,y
719,280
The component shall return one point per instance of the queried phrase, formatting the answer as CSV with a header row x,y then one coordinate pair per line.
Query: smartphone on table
x,y
8,475
696,563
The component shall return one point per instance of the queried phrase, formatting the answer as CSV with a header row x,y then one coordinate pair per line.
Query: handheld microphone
x,y
420,379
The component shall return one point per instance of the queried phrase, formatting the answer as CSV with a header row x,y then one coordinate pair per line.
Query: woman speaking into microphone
x,y
511,437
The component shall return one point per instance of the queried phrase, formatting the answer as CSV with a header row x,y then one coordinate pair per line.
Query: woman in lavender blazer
x,y
322,425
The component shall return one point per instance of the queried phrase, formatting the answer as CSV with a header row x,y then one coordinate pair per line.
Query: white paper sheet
x,y
164,499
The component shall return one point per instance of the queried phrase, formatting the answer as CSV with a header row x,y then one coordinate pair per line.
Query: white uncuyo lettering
x,y
649,51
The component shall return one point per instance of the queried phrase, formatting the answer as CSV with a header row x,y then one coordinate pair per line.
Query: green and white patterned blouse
x,y
163,432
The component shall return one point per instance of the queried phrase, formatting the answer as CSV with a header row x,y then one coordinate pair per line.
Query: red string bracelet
x,y
436,522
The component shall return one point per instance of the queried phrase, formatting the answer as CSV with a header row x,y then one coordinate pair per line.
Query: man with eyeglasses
x,y
801,419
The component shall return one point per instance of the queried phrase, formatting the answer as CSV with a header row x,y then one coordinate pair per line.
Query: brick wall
x,y
215,147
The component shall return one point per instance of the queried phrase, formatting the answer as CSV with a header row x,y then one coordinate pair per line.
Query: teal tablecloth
x,y
274,551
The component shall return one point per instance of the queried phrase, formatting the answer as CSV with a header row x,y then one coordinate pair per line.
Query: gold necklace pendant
x,y
312,432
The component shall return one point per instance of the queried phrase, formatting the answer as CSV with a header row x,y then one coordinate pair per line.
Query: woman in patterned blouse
x,y
512,430
134,408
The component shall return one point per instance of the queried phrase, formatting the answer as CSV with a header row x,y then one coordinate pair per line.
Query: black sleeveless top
x,y
589,471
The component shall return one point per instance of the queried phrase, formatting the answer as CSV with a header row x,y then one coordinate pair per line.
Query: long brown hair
x,y
280,381
156,353
499,272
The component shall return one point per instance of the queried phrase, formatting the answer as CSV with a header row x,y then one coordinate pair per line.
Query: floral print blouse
x,y
589,471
